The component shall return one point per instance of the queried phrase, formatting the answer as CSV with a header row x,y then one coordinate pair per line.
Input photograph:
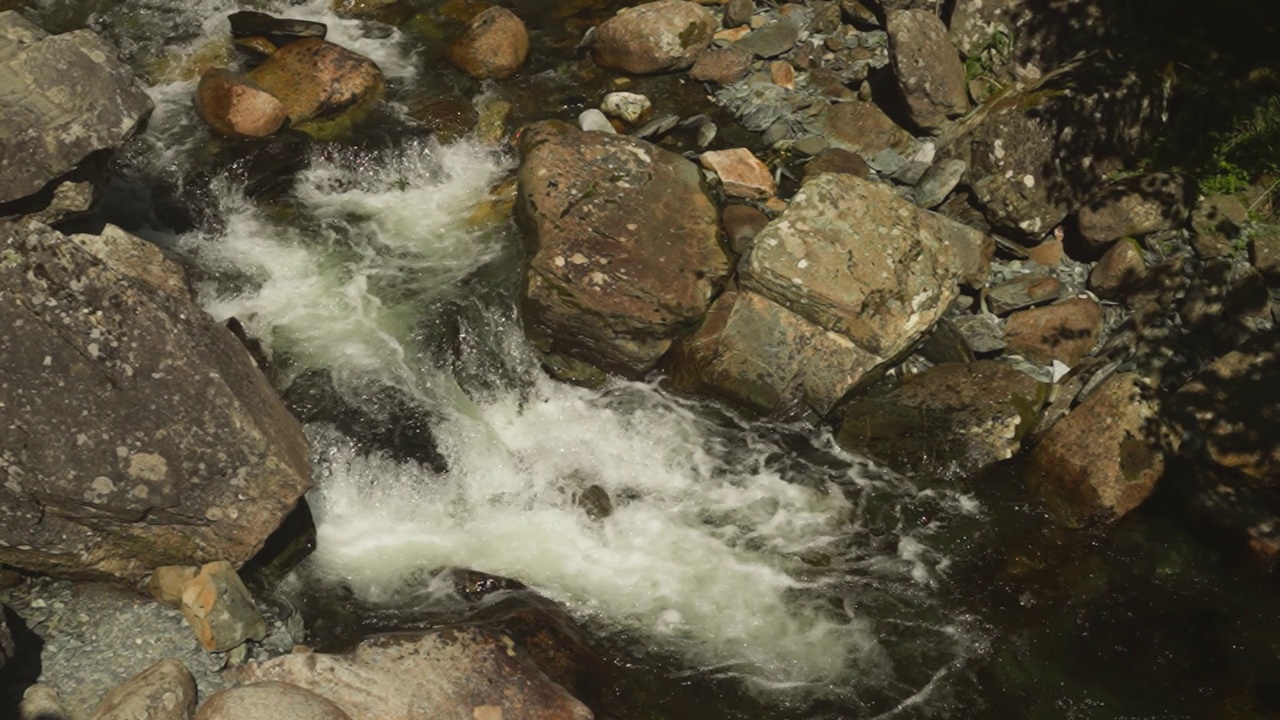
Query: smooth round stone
x,y
594,120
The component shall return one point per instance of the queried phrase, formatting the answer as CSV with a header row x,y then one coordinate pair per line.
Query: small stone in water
x,y
657,127
595,502
626,106
706,133
594,120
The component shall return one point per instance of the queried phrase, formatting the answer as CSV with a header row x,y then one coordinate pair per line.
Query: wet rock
x,y
592,120
466,672
626,106
1133,207
653,37
741,174
380,418
360,8
953,419
742,223
277,31
657,127
279,700
1023,291
1066,332
595,502
234,106
1104,458
837,160
322,85
66,97
1119,269
41,702
494,45
938,182
927,67
166,583
219,609
164,691
1233,406
1217,222
738,12
623,244
861,127
127,482
1265,254
757,354
771,40
724,66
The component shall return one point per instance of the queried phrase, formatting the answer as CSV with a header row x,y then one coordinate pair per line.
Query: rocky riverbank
x,y
923,230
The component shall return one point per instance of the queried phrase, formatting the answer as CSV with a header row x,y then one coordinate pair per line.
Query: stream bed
x,y
729,567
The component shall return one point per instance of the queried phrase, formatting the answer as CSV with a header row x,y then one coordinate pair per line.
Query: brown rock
x,y
1135,206
1048,253
494,45
316,79
741,224
741,173
164,691
166,583
782,74
218,607
1065,332
464,672
1265,253
41,702
927,66
1104,458
624,242
837,160
654,37
1118,270
738,12
861,127
235,106
275,700
1217,222
722,65
1023,291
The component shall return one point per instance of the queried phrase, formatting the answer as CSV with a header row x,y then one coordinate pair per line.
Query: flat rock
x,y
1104,458
465,672
654,37
771,40
494,45
624,248
927,67
1066,332
861,127
724,66
164,691
1023,291
62,97
938,182
837,160
139,432
741,173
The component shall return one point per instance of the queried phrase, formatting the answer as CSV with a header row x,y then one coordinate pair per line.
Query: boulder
x,y
1065,332
62,98
1233,408
624,249
1104,458
953,419
837,160
861,127
654,37
318,81
139,432
464,672
1118,270
1218,223
218,607
234,106
164,691
847,279
1135,206
927,67
494,45
277,700
741,173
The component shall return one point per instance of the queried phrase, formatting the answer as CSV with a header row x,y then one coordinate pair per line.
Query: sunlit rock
x,y
494,45
654,37
927,67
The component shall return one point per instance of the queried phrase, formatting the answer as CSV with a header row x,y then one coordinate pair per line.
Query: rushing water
x,y
737,552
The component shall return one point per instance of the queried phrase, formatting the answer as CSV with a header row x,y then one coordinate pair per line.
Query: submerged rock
x,y
654,37
65,98
465,672
140,433
494,45
624,249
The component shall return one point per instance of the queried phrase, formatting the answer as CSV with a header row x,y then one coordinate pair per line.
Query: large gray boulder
x,y
624,243
137,431
846,280
62,98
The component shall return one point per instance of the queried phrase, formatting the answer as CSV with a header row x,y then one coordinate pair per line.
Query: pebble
x,y
626,106
594,120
